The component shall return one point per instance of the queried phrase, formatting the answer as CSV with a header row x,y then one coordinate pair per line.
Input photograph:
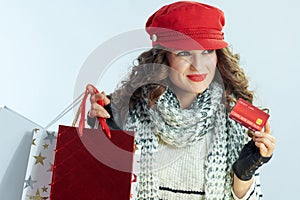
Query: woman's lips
x,y
197,77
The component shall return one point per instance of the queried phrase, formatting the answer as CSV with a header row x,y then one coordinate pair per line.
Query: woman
x,y
177,99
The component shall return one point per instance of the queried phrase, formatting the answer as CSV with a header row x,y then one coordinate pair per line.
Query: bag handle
x,y
101,120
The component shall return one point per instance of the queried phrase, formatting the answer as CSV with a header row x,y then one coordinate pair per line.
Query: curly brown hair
x,y
233,77
153,69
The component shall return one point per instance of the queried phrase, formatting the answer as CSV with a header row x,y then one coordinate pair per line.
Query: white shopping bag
x,y
38,177
16,138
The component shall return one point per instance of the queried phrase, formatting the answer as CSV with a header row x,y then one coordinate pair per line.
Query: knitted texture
x,y
186,171
185,127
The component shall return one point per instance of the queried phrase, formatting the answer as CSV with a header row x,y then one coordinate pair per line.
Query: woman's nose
x,y
198,62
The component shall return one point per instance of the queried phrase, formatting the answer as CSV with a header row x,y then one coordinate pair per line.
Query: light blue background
x,y
43,45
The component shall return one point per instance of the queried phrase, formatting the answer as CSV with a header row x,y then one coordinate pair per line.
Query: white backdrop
x,y
43,45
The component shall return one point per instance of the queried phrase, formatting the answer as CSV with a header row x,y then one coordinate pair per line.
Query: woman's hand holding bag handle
x,y
97,102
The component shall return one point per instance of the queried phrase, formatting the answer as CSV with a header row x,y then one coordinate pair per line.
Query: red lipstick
x,y
197,77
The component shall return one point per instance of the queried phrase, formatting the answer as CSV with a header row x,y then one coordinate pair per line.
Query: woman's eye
x,y
208,51
183,53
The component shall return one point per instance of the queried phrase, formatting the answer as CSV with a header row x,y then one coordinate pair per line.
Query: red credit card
x,y
248,115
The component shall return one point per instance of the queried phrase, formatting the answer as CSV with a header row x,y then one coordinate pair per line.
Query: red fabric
x,y
93,166
187,25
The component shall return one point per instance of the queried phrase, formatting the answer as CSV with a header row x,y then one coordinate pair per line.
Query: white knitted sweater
x,y
186,170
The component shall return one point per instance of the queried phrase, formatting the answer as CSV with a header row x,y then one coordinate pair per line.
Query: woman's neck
x,y
185,98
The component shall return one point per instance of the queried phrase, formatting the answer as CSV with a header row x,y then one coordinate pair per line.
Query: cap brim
x,y
191,44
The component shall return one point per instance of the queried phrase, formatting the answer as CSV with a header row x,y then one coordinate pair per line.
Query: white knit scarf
x,y
182,127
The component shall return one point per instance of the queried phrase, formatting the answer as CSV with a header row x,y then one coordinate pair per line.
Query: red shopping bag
x,y
92,164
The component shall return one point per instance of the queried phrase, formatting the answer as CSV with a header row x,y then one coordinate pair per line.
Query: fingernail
x,y
89,114
107,115
257,133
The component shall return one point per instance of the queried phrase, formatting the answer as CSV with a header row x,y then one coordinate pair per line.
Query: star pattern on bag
x,y
40,166
44,189
29,182
45,146
37,196
35,130
50,136
51,167
39,159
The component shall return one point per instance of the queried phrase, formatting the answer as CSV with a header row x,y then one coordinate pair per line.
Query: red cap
x,y
187,25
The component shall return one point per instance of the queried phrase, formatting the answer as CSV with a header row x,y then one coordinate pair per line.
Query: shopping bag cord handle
x,y
66,110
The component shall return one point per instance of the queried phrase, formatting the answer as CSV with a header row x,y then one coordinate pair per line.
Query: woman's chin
x,y
199,89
